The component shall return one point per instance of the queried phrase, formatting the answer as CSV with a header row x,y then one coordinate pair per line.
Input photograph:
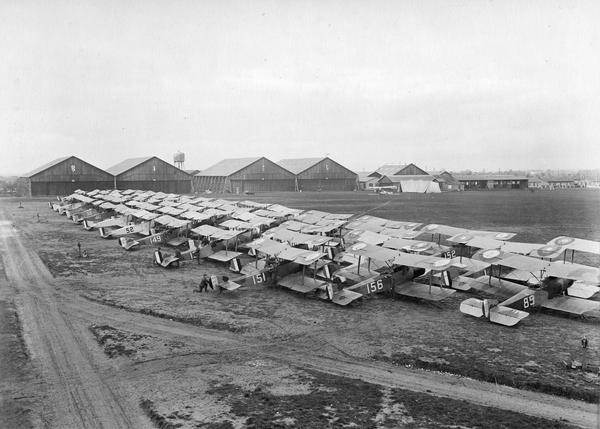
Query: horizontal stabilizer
x,y
498,314
472,307
128,243
506,316
345,297
230,285
423,291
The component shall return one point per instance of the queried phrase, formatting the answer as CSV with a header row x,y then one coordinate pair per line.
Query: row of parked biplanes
x,y
343,258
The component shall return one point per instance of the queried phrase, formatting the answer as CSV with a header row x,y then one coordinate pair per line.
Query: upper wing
x,y
577,244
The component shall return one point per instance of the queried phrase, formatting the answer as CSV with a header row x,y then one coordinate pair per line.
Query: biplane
x,y
388,270
172,234
215,242
552,290
142,227
300,270
581,280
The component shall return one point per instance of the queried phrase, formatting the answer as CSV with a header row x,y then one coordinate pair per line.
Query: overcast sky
x,y
444,84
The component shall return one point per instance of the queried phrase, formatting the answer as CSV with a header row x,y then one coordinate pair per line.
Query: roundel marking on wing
x,y
490,254
420,246
503,236
548,249
464,237
431,227
441,263
561,241
358,246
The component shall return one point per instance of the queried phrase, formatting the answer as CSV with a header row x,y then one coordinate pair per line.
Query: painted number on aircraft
x,y
259,278
375,286
156,239
450,254
129,229
528,301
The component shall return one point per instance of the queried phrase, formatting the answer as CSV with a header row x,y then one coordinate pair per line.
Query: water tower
x,y
179,159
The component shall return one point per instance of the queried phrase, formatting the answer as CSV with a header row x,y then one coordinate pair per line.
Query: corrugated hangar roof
x,y
228,166
389,169
298,165
127,164
46,166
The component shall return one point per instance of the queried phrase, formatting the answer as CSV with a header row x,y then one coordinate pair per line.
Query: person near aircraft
x,y
205,283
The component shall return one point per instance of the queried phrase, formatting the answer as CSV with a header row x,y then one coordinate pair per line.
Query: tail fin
x,y
145,228
235,265
192,245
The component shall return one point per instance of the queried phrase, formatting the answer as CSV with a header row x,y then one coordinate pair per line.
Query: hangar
x,y
150,173
62,177
320,174
398,170
239,175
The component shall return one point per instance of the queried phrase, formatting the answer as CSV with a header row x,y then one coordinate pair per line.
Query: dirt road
x,y
78,396
84,390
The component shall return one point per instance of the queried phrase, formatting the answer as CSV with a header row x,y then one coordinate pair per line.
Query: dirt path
x,y
55,324
78,396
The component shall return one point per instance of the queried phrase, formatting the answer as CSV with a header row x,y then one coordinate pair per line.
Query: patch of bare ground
x,y
117,342
19,384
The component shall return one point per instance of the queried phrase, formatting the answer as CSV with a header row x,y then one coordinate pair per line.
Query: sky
x,y
480,85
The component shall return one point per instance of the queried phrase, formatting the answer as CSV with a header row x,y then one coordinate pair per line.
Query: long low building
x,y
473,182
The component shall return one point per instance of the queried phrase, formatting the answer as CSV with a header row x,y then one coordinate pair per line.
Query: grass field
x,y
406,332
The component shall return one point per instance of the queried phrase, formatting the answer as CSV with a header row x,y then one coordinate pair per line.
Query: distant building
x,y
537,183
446,180
240,175
398,170
320,174
62,177
561,183
365,181
418,183
473,182
150,173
